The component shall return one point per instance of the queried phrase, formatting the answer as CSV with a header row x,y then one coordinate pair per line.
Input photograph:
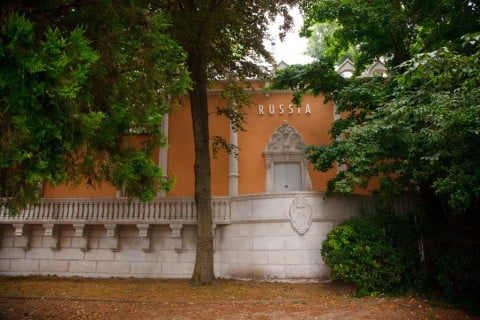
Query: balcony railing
x,y
91,211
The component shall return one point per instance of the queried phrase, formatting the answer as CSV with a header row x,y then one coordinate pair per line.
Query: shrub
x,y
378,254
458,276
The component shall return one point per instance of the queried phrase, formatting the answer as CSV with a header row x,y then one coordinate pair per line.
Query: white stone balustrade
x,y
120,211
260,236
111,213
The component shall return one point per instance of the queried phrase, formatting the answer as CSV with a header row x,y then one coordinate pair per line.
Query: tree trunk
x,y
203,273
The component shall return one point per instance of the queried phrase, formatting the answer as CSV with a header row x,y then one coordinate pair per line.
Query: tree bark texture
x,y
203,272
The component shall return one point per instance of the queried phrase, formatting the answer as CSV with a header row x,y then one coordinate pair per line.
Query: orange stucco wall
x,y
313,126
181,155
85,190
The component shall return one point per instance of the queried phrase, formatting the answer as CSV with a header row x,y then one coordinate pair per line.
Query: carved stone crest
x,y
300,214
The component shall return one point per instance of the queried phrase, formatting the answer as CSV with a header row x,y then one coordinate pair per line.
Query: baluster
x,y
169,210
106,210
145,207
124,206
149,210
118,208
95,209
72,210
41,212
161,210
88,206
24,214
224,210
138,210
128,208
114,207
84,209
178,209
64,210
47,214
52,212
182,211
184,206
99,213
194,210
110,211
218,210
191,206
214,209
91,208
188,206
58,212
152,211
68,210
36,211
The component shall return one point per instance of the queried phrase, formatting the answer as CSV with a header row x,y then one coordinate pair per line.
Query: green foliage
x,y
458,276
42,93
377,254
389,29
70,97
139,179
321,43
417,131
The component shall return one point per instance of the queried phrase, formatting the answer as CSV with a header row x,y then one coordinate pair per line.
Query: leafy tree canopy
x,y
76,78
395,30
416,130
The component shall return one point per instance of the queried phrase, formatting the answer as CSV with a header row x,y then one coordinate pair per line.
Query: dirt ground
x,y
57,298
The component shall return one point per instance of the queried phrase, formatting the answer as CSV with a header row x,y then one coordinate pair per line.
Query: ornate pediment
x,y
285,138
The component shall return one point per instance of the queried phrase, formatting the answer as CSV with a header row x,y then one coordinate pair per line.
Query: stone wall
x,y
269,236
